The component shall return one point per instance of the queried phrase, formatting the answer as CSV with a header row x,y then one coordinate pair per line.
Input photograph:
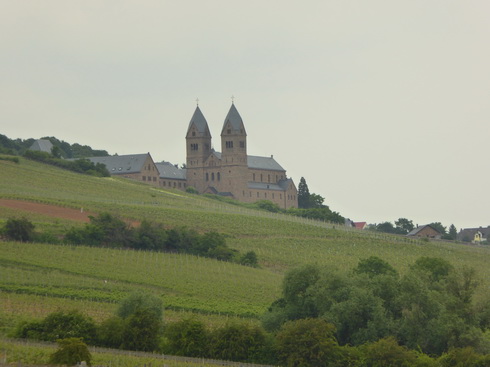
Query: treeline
x,y
138,324
431,309
79,165
403,226
107,230
62,149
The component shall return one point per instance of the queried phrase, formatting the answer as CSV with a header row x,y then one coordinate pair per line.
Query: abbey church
x,y
232,172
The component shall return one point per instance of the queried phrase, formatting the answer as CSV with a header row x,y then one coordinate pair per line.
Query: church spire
x,y
198,126
233,123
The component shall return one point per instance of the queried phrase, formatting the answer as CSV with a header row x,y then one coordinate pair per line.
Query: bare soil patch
x,y
79,215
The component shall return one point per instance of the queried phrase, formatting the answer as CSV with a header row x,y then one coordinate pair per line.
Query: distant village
x,y
231,173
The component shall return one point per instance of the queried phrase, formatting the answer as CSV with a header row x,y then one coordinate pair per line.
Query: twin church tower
x,y
232,172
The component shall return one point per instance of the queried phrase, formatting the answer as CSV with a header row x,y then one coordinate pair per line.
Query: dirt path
x,y
46,209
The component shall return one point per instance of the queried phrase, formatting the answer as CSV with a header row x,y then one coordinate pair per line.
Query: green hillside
x,y
36,279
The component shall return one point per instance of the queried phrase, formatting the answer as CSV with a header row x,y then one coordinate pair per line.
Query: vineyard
x,y
36,279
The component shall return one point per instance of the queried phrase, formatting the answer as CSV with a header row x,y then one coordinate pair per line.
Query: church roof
x,y
282,185
168,170
256,162
121,164
235,120
42,145
268,163
199,121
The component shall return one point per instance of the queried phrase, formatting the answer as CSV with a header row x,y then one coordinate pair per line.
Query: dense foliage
x,y
78,165
108,230
70,352
62,148
430,308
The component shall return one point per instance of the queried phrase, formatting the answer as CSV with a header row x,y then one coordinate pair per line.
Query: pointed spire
x,y
199,121
234,121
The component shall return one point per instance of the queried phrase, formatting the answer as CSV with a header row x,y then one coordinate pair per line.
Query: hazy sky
x,y
383,106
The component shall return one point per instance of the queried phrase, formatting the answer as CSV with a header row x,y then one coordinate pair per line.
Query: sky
x,y
383,106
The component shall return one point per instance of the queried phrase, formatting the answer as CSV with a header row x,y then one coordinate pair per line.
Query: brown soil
x,y
46,209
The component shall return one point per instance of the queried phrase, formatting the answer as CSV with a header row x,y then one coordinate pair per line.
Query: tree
x,y
307,342
404,226
19,229
239,342
70,352
373,266
138,301
386,227
188,337
142,314
315,201
439,227
452,233
141,331
387,353
303,194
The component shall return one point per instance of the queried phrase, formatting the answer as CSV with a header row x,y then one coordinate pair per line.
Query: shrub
x,y
19,229
71,351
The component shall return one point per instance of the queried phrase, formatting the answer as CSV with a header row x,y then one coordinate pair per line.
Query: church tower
x,y
198,142
234,152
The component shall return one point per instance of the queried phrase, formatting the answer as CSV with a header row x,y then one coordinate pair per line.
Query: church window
x,y
257,194
193,133
254,177
194,146
229,144
207,176
144,178
180,184
164,184
250,193
219,176
261,179
273,195
212,176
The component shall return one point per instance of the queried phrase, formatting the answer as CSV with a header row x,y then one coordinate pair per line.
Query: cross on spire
x,y
232,99
197,101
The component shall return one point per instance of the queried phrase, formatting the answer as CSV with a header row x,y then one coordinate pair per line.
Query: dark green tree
x,y
188,337
303,194
308,342
403,225
452,233
388,353
439,227
19,229
141,331
386,227
241,343
70,352
373,266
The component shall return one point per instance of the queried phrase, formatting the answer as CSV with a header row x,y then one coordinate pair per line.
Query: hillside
x,y
38,278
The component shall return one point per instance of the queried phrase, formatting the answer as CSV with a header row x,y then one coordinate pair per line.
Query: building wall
x,y
428,232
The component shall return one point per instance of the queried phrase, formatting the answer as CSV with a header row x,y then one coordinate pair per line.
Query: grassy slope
x,y
95,279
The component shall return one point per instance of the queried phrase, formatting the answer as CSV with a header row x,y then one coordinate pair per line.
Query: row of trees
x,y
107,230
309,206
431,308
82,165
403,226
138,325
62,149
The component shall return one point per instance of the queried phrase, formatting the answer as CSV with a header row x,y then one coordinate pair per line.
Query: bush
x,y
188,337
71,351
59,325
19,229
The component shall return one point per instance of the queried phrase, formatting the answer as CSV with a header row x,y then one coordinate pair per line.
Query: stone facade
x,y
232,172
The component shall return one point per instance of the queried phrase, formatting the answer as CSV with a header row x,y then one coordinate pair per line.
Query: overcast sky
x,y
383,106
